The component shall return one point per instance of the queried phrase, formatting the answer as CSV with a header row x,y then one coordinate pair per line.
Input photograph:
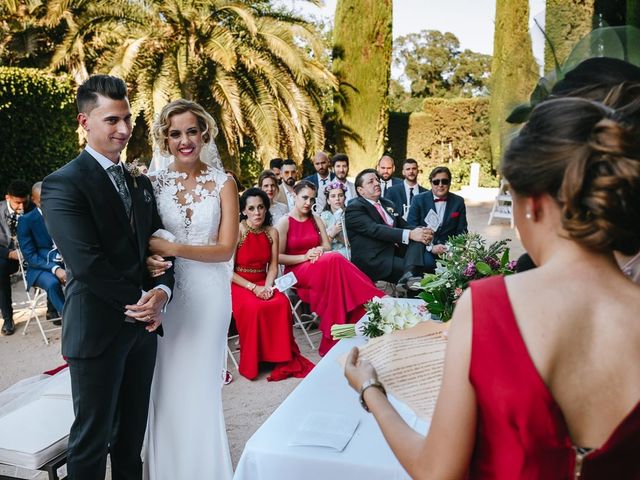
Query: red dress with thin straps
x,y
521,431
333,287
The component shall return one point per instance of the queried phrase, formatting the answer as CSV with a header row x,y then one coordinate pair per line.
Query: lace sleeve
x,y
220,178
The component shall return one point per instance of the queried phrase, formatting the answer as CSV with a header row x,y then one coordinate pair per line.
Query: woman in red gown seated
x,y
262,314
333,287
542,370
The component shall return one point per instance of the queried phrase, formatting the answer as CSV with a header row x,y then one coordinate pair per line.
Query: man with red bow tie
x,y
448,207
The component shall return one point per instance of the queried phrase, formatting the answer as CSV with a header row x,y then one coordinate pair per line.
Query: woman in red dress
x,y
542,371
333,287
262,314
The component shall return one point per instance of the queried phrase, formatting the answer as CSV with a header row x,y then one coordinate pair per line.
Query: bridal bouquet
x,y
467,258
384,315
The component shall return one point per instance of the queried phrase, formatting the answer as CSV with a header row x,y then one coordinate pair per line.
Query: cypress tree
x,y
362,45
566,22
514,71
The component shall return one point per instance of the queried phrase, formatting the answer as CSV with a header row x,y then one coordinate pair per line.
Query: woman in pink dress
x,y
333,287
542,370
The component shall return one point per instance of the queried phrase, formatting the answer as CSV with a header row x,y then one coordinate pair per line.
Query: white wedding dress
x,y
186,434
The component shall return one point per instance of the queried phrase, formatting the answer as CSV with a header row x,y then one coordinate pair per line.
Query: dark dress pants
x,y
111,403
430,262
50,284
7,268
407,258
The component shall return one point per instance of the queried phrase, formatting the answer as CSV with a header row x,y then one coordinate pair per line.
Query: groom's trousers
x,y
111,403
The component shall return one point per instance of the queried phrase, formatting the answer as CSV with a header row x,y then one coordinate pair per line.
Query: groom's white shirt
x,y
106,163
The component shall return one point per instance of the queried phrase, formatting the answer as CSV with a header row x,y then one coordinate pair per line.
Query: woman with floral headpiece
x,y
332,216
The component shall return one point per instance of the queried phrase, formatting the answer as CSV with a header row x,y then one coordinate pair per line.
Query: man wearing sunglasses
x,y
449,208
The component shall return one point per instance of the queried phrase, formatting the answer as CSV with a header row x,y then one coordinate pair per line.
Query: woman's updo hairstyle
x,y
206,123
580,153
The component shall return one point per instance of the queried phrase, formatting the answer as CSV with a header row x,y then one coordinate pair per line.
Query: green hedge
x,y
37,124
567,21
452,132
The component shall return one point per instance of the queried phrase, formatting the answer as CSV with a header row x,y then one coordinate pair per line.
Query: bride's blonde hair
x,y
206,123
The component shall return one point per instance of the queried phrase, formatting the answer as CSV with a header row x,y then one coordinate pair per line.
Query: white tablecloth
x,y
268,456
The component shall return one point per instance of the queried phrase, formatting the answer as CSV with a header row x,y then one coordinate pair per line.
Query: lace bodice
x,y
192,216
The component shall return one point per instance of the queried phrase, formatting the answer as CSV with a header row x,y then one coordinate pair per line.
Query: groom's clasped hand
x,y
148,308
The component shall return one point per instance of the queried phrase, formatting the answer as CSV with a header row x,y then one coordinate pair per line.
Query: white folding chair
x,y
297,320
231,353
502,205
34,302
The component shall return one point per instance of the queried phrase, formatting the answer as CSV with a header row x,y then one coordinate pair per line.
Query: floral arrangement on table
x,y
467,258
384,315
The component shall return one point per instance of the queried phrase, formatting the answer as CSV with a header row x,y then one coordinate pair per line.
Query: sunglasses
x,y
443,181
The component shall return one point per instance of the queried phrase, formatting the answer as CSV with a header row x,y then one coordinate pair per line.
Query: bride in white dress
x,y
198,204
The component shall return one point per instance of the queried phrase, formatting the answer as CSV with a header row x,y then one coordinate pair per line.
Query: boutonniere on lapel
x,y
455,214
135,170
391,212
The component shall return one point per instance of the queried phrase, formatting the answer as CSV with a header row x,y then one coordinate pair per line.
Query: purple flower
x,y
492,262
512,265
470,270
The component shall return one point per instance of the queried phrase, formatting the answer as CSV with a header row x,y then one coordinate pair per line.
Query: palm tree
x,y
259,71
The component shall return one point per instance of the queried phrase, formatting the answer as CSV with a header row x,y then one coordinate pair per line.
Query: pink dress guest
x,y
333,287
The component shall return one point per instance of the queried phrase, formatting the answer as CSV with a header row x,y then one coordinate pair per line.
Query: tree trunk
x,y
362,45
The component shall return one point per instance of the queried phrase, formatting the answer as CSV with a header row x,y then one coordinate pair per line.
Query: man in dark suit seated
x,y
449,208
44,268
382,245
385,168
402,194
15,204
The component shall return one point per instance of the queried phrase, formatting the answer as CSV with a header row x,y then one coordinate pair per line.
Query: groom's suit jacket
x,y
455,215
373,242
103,250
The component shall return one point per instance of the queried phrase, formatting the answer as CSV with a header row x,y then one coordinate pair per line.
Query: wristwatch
x,y
372,382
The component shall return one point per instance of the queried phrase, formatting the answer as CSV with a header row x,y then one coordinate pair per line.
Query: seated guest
x,y
402,194
332,286
386,167
340,165
506,409
333,214
268,183
15,204
262,313
275,165
321,178
382,245
44,270
451,211
289,179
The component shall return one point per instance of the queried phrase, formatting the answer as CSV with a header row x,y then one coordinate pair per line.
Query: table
x,y
267,455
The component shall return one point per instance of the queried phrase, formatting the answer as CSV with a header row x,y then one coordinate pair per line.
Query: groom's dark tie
x,y
118,176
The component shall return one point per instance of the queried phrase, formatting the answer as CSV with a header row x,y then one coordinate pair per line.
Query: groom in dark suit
x,y
450,209
101,219
382,245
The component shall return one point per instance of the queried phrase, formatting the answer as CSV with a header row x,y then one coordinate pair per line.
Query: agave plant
x,y
257,70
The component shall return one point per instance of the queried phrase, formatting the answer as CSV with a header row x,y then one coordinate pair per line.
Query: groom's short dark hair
x,y
105,85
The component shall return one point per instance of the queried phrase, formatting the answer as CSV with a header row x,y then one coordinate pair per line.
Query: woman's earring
x,y
528,216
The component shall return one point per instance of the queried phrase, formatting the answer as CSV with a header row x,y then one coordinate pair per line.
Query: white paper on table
x,y
285,281
330,430
432,220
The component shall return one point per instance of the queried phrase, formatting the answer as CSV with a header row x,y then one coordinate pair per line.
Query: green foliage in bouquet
x,y
468,258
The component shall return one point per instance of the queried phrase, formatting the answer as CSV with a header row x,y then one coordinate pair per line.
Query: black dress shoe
x,y
8,328
52,314
57,322
408,279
